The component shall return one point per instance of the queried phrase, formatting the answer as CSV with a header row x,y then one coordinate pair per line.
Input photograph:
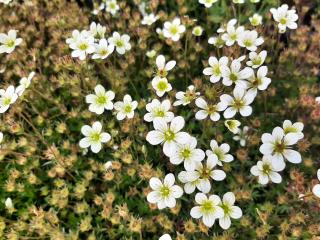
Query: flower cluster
x,y
93,41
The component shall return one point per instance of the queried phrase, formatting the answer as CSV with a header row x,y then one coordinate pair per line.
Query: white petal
x,y
292,156
155,137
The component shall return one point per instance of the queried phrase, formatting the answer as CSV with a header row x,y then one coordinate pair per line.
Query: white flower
x,y
256,60
151,54
97,30
317,99
24,84
125,108
216,41
197,31
285,18
215,69
295,128
165,237
121,43
232,125
255,20
266,170
236,75
188,154
250,40
74,38
223,27
93,137
103,49
208,110
173,29
107,165
220,152
279,145
149,19
8,203
184,98
161,85
7,97
238,1
242,136
5,1
83,46
169,135
229,210
316,188
157,109
201,176
238,103
162,67
101,100
259,82
164,193
207,3
8,42
208,209
1,138
112,6
232,33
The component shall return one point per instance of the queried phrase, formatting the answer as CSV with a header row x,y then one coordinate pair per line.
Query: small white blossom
x,y
197,31
5,1
162,67
168,134
164,193
165,237
259,82
102,50
250,40
82,47
185,98
216,41
112,6
200,177
215,69
285,18
256,60
94,137
238,1
316,188
236,75
278,145
232,125
208,209
107,165
188,154
157,109
242,136
174,29
208,110
255,20
229,210
161,85
121,43
7,97
232,33
219,152
267,170
97,30
240,102
8,203
207,3
8,42
295,128
101,100
125,109
24,84
149,19
151,54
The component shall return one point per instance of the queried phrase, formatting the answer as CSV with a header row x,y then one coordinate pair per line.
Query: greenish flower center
x,y
226,208
283,21
233,36
185,153
256,61
279,147
219,153
174,30
233,77
290,130
159,113
10,43
128,109
216,70
119,43
101,100
165,191
169,135
6,101
206,206
104,52
212,109
238,103
247,42
95,137
162,86
266,169
83,46
162,73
